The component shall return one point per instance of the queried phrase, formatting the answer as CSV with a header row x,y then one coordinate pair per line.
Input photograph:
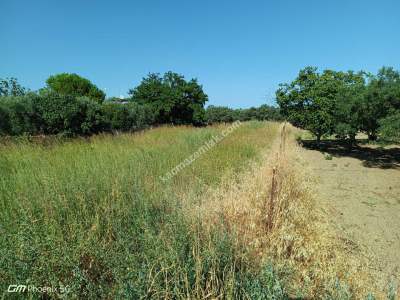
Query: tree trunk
x,y
351,141
372,136
318,146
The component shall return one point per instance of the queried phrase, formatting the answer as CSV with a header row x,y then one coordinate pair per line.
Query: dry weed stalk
x,y
298,240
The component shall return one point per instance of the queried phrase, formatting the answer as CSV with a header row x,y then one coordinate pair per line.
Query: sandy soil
x,y
361,189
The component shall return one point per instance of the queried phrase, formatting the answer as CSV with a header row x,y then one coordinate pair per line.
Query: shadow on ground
x,y
371,156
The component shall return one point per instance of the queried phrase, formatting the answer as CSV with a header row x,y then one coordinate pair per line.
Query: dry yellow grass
x,y
301,244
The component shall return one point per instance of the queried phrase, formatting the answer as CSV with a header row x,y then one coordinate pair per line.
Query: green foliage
x,y
265,285
341,103
68,114
116,116
266,112
309,101
74,85
18,115
172,98
127,117
58,113
52,113
11,87
92,118
390,127
222,114
5,122
217,114
339,291
349,106
382,97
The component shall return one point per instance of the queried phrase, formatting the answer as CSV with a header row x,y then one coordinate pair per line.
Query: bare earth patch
x,y
362,192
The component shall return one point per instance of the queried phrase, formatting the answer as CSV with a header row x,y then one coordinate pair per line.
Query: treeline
x,y
343,103
218,114
72,105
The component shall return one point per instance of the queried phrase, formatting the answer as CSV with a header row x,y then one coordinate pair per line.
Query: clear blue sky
x,y
239,50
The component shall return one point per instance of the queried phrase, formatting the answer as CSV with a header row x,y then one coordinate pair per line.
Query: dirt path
x,y
363,197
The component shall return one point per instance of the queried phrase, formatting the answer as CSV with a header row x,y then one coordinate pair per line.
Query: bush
x,y
68,114
92,117
18,115
141,116
116,116
58,113
52,113
217,114
127,117
5,123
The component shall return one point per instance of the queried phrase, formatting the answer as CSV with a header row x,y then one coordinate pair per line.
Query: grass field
x,y
93,215
99,218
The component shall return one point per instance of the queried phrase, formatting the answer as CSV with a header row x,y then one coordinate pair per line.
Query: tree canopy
x,y
11,87
74,85
218,114
342,103
172,98
309,100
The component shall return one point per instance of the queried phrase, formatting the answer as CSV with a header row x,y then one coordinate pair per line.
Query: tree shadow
x,y
371,156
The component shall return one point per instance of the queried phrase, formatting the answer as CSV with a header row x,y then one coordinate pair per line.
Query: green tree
x,y
172,98
266,112
349,103
309,101
74,85
11,87
382,96
218,114
389,127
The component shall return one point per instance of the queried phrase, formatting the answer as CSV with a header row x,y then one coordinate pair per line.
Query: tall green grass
x,y
93,215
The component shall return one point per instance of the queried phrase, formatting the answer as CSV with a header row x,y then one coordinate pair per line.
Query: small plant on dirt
x,y
370,297
392,291
328,156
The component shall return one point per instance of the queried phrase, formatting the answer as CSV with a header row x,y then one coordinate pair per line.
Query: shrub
x,y
141,116
66,114
127,117
217,114
52,113
19,115
5,123
91,115
116,116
